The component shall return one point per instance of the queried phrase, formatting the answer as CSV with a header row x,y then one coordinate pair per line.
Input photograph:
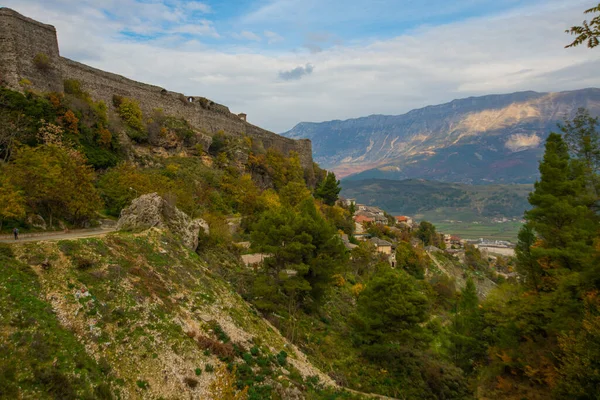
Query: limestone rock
x,y
37,221
151,210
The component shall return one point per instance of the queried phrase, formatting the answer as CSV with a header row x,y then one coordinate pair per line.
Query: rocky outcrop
x,y
151,210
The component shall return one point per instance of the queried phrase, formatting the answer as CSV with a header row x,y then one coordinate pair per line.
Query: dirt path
x,y
368,395
39,237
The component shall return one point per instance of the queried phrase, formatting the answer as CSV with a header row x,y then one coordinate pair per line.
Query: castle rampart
x,y
23,39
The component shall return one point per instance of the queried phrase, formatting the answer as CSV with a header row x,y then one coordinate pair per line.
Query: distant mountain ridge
x,y
488,139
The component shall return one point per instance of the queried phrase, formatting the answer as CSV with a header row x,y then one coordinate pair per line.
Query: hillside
x,y
471,211
418,196
136,315
72,309
489,139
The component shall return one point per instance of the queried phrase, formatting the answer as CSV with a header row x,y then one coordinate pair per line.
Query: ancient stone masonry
x,y
30,59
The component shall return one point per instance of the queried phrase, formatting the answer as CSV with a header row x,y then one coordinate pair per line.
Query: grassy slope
x,y
149,298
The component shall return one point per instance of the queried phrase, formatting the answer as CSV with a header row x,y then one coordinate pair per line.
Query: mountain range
x,y
477,140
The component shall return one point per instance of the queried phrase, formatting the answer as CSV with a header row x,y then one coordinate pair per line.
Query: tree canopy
x,y
588,31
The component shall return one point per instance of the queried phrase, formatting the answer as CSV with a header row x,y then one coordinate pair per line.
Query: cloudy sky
x,y
286,61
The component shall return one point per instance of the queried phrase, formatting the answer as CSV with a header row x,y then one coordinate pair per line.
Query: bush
x,y
191,382
221,350
130,112
142,384
282,358
83,263
209,368
42,62
73,87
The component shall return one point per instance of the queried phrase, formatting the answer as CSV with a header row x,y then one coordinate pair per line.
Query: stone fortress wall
x,y
22,39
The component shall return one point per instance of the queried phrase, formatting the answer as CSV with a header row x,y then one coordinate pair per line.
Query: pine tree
x,y
391,310
329,189
306,251
559,216
466,344
583,138
527,265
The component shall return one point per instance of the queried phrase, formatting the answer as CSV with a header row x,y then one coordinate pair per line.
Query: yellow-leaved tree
x,y
12,201
56,182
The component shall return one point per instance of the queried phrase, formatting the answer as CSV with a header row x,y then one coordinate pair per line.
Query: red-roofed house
x,y
361,219
403,218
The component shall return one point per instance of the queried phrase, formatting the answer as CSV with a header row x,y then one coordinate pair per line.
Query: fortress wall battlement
x,y
22,39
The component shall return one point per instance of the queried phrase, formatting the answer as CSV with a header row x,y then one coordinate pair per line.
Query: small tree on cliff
x,y
329,190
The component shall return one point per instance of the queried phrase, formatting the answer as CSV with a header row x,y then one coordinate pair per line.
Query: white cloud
x,y
520,50
273,37
197,6
201,28
247,35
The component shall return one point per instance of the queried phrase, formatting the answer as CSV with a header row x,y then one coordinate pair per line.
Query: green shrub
x,y
198,372
83,263
130,112
42,62
142,384
282,358
73,87
209,368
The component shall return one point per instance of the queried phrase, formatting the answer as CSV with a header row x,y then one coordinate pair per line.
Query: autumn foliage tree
x,y
56,182
12,201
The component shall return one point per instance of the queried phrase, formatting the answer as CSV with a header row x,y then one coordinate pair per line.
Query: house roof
x,y
362,218
375,210
380,242
401,218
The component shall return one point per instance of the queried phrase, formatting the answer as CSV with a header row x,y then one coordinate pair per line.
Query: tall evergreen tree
x,y
391,310
466,346
583,138
329,189
559,215
306,252
527,265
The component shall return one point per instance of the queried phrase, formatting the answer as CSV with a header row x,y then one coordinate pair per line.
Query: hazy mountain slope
x,y
417,196
496,138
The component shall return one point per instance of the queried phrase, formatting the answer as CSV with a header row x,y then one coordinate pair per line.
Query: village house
x,y
404,219
377,218
383,246
370,209
361,219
